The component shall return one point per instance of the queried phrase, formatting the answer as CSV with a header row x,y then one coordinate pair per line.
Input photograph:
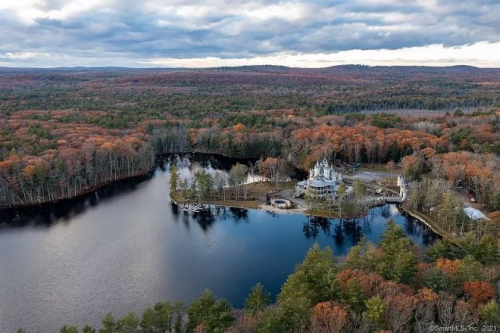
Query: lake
x,y
125,247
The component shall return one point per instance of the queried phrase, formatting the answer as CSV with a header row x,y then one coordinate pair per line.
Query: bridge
x,y
393,199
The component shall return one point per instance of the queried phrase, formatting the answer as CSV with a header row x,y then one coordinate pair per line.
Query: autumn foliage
x,y
448,266
329,317
480,292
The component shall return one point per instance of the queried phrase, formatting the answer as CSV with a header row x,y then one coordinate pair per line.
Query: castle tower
x,y
317,170
401,180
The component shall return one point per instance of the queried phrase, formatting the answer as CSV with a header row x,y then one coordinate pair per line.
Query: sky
x,y
202,33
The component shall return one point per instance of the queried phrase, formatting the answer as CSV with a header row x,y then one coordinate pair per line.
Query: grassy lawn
x,y
323,213
257,191
287,185
178,197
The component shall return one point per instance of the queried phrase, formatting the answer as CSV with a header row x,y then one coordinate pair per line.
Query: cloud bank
x,y
202,33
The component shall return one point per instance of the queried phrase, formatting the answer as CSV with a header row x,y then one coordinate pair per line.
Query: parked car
x,y
472,199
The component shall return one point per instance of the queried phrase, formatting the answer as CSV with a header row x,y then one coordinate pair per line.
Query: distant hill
x,y
341,69
359,69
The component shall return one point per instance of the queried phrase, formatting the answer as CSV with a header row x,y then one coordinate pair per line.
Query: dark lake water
x,y
125,247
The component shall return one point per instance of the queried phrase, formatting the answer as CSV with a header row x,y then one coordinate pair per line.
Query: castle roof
x,y
321,182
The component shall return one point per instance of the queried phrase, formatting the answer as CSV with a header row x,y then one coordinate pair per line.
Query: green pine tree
x,y
375,309
108,324
257,300
174,178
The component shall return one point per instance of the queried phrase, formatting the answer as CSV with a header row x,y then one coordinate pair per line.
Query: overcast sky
x,y
205,33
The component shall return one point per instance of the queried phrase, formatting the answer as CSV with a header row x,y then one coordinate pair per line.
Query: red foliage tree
x,y
329,317
480,292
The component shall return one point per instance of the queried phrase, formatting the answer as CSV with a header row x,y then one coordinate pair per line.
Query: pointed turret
x,y
317,170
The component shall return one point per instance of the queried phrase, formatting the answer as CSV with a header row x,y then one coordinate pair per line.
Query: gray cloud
x,y
66,33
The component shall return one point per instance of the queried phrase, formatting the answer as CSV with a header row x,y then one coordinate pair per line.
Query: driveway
x,y
368,176
463,195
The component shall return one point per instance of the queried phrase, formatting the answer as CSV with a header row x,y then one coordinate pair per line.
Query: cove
x,y
125,247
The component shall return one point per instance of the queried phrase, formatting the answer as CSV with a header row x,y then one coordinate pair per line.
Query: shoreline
x,y
304,211
422,219
269,208
259,206
144,173
255,204
79,194
263,206
111,182
259,203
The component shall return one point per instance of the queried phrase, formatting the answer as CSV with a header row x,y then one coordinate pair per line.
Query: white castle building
x,y
322,182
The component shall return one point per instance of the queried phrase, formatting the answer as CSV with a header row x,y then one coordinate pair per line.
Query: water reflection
x,y
385,212
206,218
314,224
46,215
239,214
126,247
350,231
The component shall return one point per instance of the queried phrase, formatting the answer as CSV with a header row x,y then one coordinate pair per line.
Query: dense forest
x,y
140,94
67,131
388,287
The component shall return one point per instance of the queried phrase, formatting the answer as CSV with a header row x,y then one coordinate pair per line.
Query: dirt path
x,y
463,195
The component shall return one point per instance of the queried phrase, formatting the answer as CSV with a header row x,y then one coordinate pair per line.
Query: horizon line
x,y
245,66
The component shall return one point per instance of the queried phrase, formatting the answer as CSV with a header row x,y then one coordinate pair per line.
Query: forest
x,y
392,286
67,131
